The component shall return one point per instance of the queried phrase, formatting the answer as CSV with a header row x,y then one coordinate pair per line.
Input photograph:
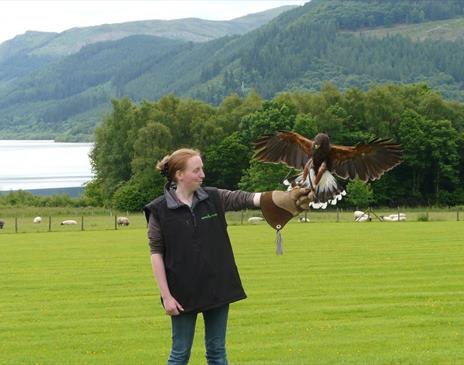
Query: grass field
x,y
341,294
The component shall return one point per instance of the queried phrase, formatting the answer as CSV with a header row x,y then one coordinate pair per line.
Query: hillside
x,y
191,30
300,49
448,30
32,50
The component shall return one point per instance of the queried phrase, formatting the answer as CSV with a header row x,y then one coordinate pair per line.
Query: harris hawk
x,y
320,160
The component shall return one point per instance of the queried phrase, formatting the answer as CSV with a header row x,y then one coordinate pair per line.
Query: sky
x,y
16,17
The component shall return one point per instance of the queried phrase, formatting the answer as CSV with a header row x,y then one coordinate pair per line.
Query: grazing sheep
x,y
303,220
123,221
37,220
255,219
360,216
358,213
68,222
364,218
394,217
2,223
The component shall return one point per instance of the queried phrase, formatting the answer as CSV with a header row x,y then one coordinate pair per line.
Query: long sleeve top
x,y
231,200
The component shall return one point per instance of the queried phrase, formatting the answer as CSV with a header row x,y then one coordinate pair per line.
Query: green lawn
x,y
342,293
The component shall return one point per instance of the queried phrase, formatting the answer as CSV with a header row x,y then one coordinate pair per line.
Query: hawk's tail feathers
x,y
328,191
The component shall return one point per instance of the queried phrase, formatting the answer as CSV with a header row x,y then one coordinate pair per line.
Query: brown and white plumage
x,y
320,160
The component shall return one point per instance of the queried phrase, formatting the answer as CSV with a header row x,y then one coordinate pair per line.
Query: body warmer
x,y
198,257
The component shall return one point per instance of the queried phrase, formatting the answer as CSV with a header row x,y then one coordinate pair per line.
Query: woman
x,y
191,254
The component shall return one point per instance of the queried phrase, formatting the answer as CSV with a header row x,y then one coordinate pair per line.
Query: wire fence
x,y
88,220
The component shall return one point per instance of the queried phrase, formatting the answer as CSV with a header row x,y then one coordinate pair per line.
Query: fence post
x,y
241,217
338,214
457,214
82,223
116,222
16,224
398,213
49,223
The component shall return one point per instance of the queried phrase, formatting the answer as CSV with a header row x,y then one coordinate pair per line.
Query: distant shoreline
x,y
73,192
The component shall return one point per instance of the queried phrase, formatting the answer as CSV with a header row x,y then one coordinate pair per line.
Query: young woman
x,y
191,253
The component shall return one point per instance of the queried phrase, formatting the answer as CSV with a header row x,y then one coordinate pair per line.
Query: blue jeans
x,y
183,331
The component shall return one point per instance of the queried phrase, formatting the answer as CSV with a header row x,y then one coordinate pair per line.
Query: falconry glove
x,y
278,207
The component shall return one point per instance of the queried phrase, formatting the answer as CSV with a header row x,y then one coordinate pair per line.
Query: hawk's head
x,y
321,144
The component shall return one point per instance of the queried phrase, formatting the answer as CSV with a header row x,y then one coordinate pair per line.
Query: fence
x,y
54,223
22,223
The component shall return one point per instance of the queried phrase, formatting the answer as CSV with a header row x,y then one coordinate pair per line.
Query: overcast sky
x,y
18,16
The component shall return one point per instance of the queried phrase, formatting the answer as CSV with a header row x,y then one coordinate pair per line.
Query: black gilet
x,y
198,257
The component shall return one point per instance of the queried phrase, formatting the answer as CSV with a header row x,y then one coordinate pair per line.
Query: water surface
x,y
43,164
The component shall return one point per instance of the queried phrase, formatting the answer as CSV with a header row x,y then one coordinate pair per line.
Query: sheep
x,y
2,223
68,222
364,218
255,219
360,216
394,217
303,220
358,213
123,221
37,220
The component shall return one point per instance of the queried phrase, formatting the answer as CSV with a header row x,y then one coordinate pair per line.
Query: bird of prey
x,y
320,161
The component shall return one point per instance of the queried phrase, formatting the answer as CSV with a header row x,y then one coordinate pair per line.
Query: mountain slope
x,y
300,49
33,50
189,29
448,29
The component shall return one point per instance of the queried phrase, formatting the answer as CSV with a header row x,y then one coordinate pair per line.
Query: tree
x,y
414,140
273,117
442,152
225,162
113,150
263,177
152,143
359,194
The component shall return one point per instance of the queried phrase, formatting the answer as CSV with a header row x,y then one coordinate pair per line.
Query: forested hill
x,y
300,49
32,50
191,29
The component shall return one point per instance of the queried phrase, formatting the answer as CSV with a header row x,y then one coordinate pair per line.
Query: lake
x,y
31,165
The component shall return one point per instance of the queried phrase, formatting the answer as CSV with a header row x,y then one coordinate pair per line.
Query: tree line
x,y
134,136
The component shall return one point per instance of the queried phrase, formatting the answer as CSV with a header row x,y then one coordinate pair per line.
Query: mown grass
x,y
341,294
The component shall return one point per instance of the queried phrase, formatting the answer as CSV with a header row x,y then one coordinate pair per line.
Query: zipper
x,y
194,220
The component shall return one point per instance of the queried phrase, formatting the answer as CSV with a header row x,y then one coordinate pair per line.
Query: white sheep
x,y
123,221
68,222
394,217
364,218
358,213
255,219
37,220
360,216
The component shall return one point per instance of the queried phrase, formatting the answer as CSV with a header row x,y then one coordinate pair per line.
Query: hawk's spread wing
x,y
368,161
288,147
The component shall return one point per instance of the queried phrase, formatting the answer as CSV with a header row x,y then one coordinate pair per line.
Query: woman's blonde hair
x,y
177,160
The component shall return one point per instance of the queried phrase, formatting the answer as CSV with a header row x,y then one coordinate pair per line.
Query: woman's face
x,y
192,176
